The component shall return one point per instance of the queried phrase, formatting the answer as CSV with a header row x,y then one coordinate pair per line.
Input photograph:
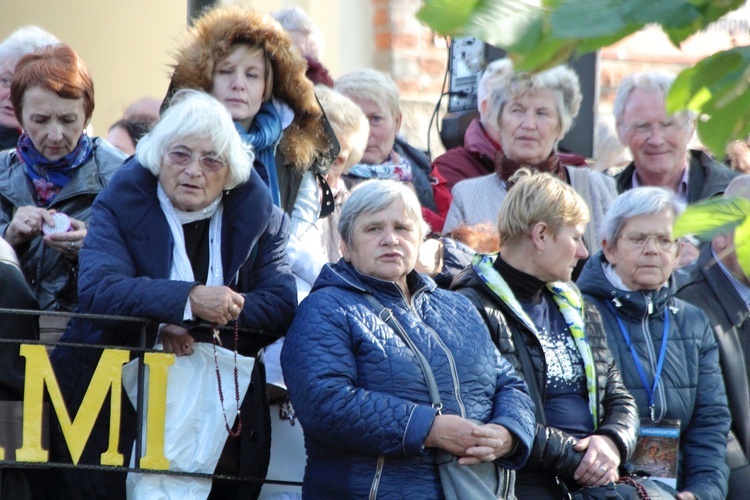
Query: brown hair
x,y
482,238
57,68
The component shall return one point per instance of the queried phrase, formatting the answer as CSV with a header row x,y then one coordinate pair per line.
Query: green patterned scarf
x,y
569,302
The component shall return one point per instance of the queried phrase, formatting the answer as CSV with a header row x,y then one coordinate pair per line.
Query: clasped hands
x,y
472,443
216,304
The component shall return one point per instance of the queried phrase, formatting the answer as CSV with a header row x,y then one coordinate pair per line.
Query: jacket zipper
x,y
376,480
451,361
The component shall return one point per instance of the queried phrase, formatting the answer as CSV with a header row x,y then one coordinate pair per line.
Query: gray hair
x,y
25,40
494,75
561,81
635,202
295,19
659,83
347,120
370,85
373,196
196,115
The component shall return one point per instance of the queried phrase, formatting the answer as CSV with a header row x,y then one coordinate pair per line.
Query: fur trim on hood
x,y
212,37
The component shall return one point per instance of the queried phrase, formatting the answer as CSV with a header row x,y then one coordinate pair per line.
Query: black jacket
x,y
705,285
553,452
706,178
690,389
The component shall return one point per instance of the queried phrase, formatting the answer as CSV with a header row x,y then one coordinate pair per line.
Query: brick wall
x,y
416,60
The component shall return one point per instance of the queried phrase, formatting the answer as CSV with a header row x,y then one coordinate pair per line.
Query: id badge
x,y
657,449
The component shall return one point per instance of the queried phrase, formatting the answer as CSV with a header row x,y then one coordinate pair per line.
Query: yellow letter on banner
x,y
156,408
38,373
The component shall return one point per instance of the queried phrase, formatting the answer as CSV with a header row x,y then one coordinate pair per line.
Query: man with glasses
x,y
658,142
717,284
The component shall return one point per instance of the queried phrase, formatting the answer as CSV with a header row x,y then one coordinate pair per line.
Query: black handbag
x,y
482,481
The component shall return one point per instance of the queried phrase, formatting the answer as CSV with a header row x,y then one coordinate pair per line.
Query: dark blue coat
x,y
125,266
362,398
691,388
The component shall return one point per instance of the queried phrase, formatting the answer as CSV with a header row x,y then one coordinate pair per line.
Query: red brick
x,y
405,41
383,41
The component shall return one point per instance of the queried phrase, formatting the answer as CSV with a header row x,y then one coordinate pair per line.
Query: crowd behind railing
x,y
265,291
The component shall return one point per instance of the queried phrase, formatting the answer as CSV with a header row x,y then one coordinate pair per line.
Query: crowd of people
x,y
506,307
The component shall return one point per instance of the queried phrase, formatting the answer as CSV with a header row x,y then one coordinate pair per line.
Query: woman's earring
x,y
540,251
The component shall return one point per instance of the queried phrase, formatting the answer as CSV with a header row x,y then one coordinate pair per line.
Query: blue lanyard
x,y
638,366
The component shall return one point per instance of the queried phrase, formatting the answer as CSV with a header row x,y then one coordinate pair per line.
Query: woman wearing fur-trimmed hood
x,y
242,56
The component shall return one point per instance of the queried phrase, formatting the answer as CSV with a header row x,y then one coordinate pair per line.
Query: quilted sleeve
x,y
320,369
107,281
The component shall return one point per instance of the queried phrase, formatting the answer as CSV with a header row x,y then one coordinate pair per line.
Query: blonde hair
x,y
538,197
348,122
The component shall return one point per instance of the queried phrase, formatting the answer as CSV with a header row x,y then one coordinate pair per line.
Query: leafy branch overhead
x,y
541,34
719,216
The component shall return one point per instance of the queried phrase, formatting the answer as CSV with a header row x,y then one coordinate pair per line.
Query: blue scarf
x,y
264,135
51,176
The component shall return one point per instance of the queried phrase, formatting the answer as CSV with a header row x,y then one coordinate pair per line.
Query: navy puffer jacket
x,y
360,394
691,387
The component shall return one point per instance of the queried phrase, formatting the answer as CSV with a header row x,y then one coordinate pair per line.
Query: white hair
x,y
659,83
25,40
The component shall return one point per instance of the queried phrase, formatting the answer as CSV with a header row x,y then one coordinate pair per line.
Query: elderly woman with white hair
x,y
388,156
534,113
665,347
170,240
351,361
23,41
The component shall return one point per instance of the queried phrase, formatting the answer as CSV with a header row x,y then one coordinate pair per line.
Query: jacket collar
x,y
343,275
478,141
633,304
247,211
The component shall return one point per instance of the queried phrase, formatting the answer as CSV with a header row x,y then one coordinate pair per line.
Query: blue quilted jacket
x,y
362,398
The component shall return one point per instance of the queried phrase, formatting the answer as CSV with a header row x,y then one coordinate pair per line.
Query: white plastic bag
x,y
195,432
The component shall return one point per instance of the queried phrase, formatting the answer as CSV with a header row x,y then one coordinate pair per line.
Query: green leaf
x,y
712,217
447,17
601,19
742,246
718,88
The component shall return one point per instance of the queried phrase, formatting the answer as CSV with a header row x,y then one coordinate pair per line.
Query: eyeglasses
x,y
183,158
640,240
644,130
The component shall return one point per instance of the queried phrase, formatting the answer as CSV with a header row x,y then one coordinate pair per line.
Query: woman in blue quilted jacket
x,y
371,430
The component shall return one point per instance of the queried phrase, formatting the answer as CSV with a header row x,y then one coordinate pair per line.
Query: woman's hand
x,y
452,434
27,224
176,339
69,243
216,304
599,464
492,441
685,495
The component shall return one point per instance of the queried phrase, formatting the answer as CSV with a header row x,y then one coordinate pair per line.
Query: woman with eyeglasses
x,y
187,236
664,347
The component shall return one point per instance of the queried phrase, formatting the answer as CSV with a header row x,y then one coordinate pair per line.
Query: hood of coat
x,y
213,36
